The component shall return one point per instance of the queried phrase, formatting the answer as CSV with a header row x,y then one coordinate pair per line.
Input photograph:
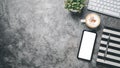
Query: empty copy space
x,y
87,45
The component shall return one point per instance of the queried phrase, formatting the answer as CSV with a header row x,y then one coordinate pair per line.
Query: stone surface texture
x,y
42,34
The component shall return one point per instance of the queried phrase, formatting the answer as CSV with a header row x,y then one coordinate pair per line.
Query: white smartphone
x,y
86,46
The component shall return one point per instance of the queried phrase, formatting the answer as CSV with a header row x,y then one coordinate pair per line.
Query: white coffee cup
x,y
92,20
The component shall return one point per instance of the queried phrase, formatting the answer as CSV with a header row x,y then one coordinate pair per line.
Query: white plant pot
x,y
73,10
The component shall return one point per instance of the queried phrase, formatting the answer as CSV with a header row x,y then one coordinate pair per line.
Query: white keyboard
x,y
109,7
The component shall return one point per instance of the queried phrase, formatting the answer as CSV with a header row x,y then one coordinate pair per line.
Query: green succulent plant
x,y
76,5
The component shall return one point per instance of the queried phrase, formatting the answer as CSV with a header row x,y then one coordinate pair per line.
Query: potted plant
x,y
74,5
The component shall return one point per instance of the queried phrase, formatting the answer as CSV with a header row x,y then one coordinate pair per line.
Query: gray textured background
x,y
42,34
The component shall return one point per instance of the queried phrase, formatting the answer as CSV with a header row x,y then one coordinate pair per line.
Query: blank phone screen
x,y
87,44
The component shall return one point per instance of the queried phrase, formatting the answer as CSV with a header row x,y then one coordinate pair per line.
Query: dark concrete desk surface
x,y
42,34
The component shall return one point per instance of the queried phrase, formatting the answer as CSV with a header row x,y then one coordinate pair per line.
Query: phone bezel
x,y
81,42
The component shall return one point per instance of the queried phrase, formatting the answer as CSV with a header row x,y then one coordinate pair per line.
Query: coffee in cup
x,y
92,20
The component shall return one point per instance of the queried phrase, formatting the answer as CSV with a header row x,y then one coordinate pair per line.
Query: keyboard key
x,y
111,13
109,7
